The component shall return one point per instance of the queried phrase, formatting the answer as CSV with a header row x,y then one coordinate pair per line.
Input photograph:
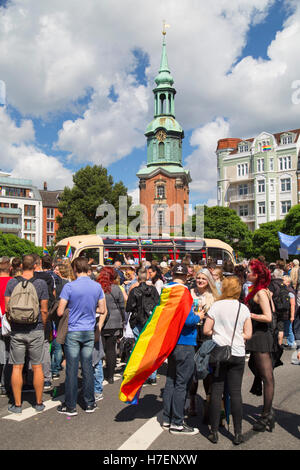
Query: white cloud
x,y
202,163
19,155
135,194
52,52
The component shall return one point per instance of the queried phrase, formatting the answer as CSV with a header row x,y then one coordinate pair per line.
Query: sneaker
x,y
55,376
98,396
15,409
47,386
91,408
63,409
39,407
3,392
165,425
184,429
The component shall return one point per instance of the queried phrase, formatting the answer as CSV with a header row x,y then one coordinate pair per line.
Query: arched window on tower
x,y
161,150
162,103
161,191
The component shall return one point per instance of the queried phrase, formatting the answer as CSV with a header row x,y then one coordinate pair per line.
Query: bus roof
x,y
77,241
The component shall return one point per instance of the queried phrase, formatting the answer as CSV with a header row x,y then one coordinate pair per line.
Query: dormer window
x,y
243,147
286,139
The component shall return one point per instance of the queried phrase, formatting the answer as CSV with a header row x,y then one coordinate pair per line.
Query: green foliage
x,y
224,224
291,222
266,241
78,206
13,246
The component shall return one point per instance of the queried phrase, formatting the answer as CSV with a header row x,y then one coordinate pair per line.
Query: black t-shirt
x,y
46,276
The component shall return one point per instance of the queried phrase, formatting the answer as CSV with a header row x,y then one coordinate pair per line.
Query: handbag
x,y
221,354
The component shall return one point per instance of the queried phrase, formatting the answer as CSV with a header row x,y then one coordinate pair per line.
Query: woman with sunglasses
x,y
204,294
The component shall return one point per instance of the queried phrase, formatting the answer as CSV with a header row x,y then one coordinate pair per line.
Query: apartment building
x,y
258,177
20,208
50,212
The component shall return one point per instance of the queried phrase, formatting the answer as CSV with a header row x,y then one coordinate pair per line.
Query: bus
x,y
101,251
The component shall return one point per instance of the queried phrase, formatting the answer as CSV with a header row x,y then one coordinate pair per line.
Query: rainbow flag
x,y
68,251
266,148
45,251
157,339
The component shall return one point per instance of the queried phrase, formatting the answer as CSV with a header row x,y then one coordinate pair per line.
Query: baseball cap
x,y
180,269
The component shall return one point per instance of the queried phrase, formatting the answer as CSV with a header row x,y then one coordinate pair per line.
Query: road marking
x,y
49,404
144,436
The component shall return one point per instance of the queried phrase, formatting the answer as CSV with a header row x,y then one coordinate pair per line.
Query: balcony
x,y
9,211
10,228
248,218
236,197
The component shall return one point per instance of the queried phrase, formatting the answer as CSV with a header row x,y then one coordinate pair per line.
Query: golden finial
x,y
165,25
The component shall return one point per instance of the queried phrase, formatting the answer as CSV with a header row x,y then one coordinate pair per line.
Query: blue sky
x,y
105,101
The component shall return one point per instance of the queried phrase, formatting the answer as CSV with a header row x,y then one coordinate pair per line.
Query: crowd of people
x,y
65,315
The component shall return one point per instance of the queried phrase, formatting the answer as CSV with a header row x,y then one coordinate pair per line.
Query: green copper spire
x,y
164,77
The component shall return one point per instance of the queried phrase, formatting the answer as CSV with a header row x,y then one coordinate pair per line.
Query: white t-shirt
x,y
224,313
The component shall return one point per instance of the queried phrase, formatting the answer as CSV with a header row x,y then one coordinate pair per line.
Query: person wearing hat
x,y
180,368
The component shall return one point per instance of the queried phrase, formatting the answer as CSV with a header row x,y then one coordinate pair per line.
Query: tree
x,y
291,222
13,246
78,206
265,240
224,224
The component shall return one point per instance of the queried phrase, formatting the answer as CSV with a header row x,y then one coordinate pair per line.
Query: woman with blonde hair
x,y
295,274
204,294
229,323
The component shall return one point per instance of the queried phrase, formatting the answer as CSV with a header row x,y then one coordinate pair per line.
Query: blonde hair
x,y
231,288
211,293
66,271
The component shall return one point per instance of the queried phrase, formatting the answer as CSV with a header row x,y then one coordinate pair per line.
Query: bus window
x,y
60,253
92,254
126,255
157,253
216,255
226,256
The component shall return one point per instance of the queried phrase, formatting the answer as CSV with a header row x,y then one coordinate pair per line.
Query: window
x,y
243,189
161,150
15,192
160,218
272,185
161,191
8,220
50,227
261,208
285,163
50,213
30,236
287,139
29,224
244,148
285,206
272,207
261,186
242,169
243,211
50,240
271,164
285,184
29,211
260,165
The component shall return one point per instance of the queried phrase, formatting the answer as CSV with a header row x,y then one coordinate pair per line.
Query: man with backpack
x,y
26,306
141,301
281,301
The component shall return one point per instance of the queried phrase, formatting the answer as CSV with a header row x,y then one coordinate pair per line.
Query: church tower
x,y
164,184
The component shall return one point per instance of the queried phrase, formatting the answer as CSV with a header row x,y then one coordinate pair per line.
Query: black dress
x,y
262,336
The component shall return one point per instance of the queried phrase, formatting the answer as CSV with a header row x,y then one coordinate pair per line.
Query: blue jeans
x,y
56,357
79,345
288,332
179,377
98,377
136,333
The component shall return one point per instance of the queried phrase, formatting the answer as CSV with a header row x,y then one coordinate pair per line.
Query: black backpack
x,y
145,298
281,297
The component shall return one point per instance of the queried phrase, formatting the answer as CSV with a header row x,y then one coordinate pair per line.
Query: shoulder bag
x,y
221,354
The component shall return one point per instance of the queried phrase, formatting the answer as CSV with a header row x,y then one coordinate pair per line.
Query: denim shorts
x,y
32,342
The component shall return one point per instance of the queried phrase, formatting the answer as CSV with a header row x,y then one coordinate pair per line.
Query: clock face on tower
x,y
161,135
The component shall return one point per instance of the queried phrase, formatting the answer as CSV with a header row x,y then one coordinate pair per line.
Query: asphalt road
x,y
116,426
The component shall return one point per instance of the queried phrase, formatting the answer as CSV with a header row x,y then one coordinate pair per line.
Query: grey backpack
x,y
23,306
